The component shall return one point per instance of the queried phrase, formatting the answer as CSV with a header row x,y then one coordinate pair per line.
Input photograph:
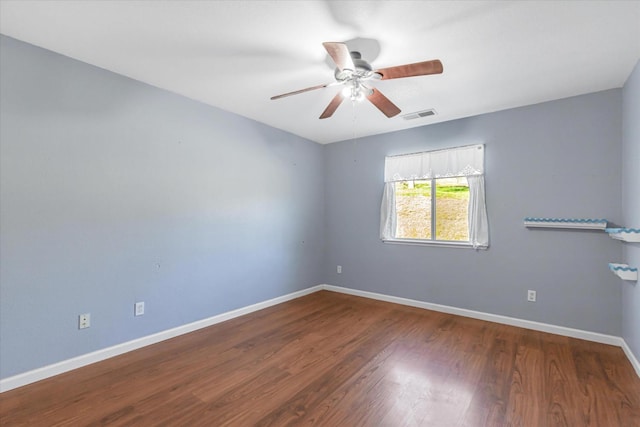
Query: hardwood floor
x,y
336,360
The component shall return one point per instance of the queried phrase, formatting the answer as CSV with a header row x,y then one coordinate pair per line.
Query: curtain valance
x,y
461,161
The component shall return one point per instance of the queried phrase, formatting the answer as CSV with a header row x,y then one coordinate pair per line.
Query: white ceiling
x,y
235,55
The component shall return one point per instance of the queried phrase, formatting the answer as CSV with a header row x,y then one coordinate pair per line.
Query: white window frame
x,y
467,161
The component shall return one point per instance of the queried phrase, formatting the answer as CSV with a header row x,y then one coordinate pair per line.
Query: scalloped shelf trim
x,y
621,267
625,234
591,224
624,272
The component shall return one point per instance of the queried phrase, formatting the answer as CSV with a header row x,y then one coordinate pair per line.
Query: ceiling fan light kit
x,y
352,72
356,91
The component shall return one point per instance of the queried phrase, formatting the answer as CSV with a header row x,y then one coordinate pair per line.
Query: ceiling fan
x,y
354,73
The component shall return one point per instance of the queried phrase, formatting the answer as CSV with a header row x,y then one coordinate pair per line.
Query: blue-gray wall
x,y
113,192
557,159
631,205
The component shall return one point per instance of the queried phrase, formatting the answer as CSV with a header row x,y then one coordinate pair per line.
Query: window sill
x,y
417,242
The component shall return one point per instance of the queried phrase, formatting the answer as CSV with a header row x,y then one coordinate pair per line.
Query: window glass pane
x,y
413,209
452,205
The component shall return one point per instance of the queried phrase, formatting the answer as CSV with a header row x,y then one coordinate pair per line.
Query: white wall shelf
x,y
624,271
625,234
585,224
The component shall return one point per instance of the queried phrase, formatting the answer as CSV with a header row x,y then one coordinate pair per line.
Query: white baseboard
x,y
106,353
97,356
527,324
632,358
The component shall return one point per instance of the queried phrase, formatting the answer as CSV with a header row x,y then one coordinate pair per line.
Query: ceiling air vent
x,y
418,114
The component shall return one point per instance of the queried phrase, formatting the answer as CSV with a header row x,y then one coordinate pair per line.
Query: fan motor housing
x,y
361,64
362,69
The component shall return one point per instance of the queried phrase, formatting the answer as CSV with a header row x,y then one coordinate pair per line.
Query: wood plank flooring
x,y
330,359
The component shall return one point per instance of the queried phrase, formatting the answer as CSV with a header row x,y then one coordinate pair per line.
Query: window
x,y
443,213
435,197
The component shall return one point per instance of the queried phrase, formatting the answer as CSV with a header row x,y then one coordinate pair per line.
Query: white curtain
x,y
465,161
461,161
478,222
388,212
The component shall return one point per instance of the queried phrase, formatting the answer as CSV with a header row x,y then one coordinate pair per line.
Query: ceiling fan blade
x,y
383,104
295,92
332,107
339,52
411,70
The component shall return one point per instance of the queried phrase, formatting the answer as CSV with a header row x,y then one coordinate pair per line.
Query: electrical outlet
x,y
531,296
84,321
139,309
339,269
